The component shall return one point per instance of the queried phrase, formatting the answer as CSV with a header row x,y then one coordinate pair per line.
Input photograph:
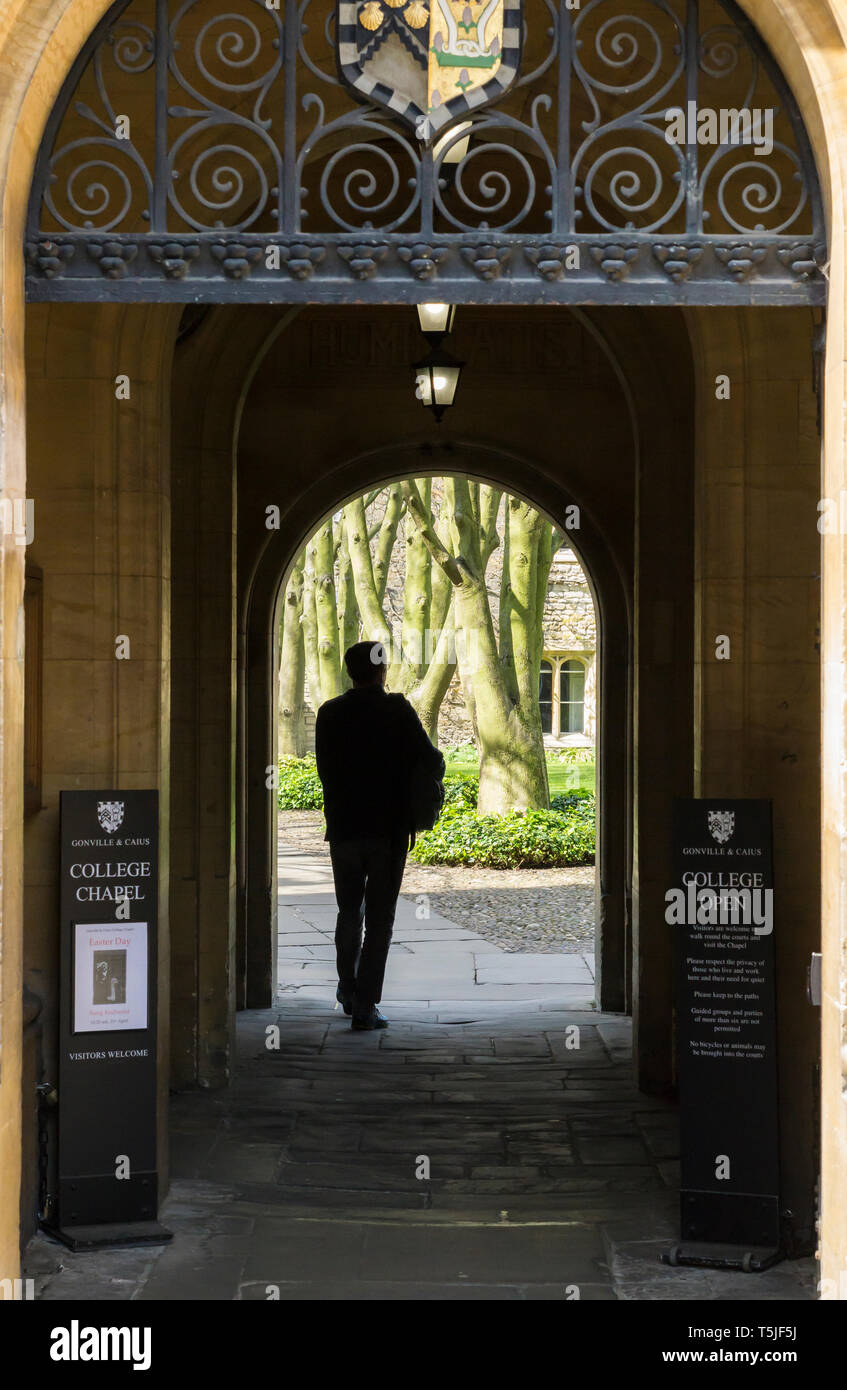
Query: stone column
x,y
205,394
757,721
653,353
98,472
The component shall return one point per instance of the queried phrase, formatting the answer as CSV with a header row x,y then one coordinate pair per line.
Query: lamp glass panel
x,y
444,382
436,318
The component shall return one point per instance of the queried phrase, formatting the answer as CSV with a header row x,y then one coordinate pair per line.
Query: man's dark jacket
x,y
367,744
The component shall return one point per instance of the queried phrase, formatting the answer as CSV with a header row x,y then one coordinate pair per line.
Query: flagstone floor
x,y
489,1145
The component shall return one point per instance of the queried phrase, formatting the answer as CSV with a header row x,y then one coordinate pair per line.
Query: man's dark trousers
x,y
367,874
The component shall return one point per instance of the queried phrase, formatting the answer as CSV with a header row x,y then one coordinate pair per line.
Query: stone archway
x,y
353,477
37,48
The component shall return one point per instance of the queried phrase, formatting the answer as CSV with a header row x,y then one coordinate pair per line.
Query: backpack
x,y
426,797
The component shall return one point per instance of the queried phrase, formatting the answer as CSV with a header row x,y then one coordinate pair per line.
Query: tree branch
x,y
348,610
465,525
423,521
417,592
387,535
370,608
489,508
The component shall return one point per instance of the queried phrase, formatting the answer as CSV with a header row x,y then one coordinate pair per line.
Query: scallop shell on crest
x,y
371,15
416,14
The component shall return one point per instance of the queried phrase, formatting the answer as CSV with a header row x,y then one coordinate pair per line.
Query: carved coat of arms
x,y
721,825
430,62
110,814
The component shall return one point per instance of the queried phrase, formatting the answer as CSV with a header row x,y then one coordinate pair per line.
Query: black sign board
x,y
721,908
107,1179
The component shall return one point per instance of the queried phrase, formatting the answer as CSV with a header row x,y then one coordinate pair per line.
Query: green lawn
x,y
562,777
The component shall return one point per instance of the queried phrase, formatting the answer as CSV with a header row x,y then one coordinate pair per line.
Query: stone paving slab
x,y
444,1254
321,950
535,969
449,946
405,931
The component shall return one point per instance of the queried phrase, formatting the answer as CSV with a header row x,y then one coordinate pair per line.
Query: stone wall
x,y
569,630
569,610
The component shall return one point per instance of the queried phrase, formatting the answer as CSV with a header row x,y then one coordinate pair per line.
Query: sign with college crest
x,y
110,815
721,911
429,62
107,1044
721,825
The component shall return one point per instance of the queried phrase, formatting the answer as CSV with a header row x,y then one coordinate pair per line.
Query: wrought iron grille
x,y
211,150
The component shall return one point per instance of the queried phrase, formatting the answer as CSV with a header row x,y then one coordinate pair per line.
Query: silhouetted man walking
x,y
368,745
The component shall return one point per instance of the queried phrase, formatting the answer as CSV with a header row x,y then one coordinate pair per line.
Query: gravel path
x,y
538,910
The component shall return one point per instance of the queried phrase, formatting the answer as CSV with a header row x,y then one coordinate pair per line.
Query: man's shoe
x,y
345,1000
373,1019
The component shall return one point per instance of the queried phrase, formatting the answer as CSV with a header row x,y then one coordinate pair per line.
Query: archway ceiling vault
x,y
248,170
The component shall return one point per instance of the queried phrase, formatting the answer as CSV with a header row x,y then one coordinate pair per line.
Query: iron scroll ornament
x,y
263,176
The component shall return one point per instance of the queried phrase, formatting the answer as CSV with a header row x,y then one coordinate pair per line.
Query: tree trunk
x,y
322,554
512,769
348,612
524,588
428,695
374,625
417,597
292,668
310,636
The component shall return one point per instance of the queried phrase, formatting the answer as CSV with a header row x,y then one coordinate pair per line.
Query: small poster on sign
x,y
110,977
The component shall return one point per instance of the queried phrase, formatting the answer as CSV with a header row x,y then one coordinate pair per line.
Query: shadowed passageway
x,y
543,1173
